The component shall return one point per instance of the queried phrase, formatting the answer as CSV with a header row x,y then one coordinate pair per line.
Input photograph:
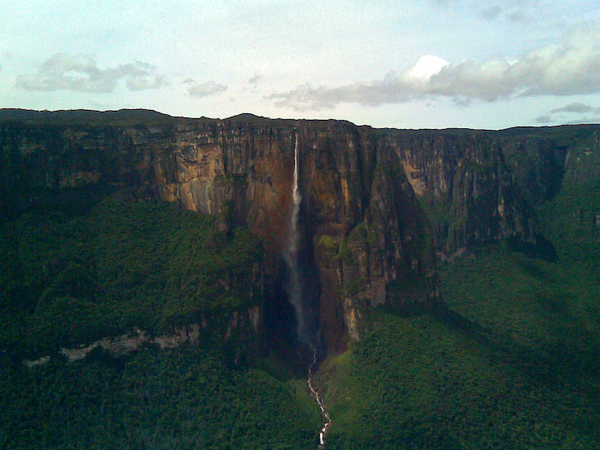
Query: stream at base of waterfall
x,y
317,397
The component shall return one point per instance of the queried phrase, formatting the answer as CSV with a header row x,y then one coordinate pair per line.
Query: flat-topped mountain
x,y
378,204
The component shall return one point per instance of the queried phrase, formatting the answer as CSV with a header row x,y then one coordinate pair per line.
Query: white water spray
x,y
291,252
297,197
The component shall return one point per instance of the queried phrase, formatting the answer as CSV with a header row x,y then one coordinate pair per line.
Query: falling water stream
x,y
291,253
315,394
296,293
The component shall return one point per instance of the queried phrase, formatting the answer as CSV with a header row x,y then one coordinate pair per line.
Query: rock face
x,y
364,234
248,319
481,187
376,205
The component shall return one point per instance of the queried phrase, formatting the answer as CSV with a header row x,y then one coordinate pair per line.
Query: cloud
x,y
585,114
543,119
392,89
142,76
517,12
206,89
507,10
573,108
518,16
491,13
569,68
80,73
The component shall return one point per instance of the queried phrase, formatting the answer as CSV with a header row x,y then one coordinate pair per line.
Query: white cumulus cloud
x,y
80,73
569,68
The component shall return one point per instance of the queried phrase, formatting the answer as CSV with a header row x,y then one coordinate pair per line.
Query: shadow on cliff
x,y
289,338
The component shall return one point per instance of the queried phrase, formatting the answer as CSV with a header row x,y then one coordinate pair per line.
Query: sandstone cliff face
x,y
364,234
376,203
464,182
365,239
481,187
371,240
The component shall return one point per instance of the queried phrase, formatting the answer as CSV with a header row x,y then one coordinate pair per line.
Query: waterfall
x,y
291,252
296,292
297,197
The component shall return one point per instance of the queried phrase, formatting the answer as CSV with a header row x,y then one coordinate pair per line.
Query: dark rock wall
x,y
463,181
482,187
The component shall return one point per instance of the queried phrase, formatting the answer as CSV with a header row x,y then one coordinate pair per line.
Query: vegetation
x,y
512,365
124,117
423,383
69,280
172,399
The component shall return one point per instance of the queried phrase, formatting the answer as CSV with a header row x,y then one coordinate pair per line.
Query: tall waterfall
x,y
296,293
291,252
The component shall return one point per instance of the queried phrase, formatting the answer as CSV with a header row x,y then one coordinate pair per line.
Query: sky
x,y
401,64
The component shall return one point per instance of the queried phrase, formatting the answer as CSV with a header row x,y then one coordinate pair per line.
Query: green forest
x,y
72,279
512,364
69,280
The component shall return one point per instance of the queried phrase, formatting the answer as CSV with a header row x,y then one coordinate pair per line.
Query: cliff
x,y
377,204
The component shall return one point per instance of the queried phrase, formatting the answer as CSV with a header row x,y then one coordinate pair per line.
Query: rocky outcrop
x,y
364,233
365,238
463,180
370,238
481,187
232,337
125,344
